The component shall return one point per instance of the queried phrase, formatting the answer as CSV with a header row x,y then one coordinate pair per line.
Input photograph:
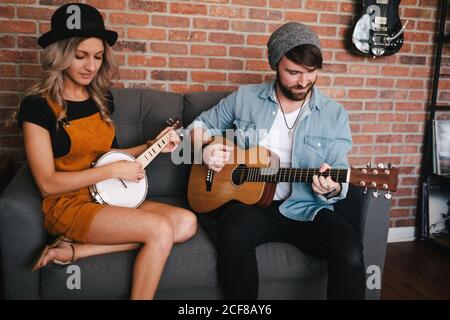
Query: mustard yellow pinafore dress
x,y
71,213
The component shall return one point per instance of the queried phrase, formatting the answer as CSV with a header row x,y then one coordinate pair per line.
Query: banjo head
x,y
112,191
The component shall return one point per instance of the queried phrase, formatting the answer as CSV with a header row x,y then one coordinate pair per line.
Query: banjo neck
x,y
152,152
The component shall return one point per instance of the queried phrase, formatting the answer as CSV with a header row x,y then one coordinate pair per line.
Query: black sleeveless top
x,y
35,109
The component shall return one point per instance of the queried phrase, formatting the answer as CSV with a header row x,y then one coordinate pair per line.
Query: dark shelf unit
x,y
430,180
441,242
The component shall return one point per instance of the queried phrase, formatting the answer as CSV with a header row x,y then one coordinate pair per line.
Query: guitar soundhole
x,y
239,175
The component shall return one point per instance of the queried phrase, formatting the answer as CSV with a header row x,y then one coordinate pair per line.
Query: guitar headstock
x,y
384,178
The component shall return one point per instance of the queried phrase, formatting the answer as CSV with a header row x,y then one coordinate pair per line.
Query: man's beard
x,y
288,91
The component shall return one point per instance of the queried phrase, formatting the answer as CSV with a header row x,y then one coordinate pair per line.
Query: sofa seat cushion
x,y
191,264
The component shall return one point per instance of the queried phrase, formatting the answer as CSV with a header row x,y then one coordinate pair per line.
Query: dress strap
x,y
56,107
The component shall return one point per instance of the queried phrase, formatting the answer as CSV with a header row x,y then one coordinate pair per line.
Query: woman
x,y
66,125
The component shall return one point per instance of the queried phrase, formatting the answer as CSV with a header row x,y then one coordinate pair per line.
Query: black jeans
x,y
237,229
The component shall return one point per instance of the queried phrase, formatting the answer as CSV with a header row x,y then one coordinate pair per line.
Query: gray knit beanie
x,y
287,37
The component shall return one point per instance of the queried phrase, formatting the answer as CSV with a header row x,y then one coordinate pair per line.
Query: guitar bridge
x,y
209,179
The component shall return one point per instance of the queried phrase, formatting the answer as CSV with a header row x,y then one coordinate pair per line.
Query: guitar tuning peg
x,y
388,195
380,166
376,194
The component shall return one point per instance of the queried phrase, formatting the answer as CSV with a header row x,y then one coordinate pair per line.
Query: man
x,y
306,130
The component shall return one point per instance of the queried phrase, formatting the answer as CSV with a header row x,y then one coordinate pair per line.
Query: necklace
x,y
290,129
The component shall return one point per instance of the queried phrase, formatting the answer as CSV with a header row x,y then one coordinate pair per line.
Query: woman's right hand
x,y
127,170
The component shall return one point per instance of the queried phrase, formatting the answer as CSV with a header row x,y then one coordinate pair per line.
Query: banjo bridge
x,y
124,184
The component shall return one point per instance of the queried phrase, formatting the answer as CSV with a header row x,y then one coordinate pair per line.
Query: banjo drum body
x,y
117,192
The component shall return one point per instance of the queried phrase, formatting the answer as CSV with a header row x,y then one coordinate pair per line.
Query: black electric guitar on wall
x,y
379,31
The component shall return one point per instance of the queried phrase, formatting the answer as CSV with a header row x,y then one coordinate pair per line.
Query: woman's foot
x,y
61,252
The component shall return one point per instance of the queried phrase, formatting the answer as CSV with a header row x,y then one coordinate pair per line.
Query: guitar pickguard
x,y
379,31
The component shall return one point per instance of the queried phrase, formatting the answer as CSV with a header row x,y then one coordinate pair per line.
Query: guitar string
x,y
280,170
275,170
290,171
337,174
340,175
279,179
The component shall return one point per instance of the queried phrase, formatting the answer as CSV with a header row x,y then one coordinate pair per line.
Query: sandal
x,y
37,264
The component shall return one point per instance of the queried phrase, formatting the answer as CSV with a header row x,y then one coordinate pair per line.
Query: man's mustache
x,y
300,87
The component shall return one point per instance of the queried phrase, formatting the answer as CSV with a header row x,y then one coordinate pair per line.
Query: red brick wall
x,y
187,46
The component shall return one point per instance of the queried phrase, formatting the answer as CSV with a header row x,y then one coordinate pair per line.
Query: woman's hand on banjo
x,y
174,139
127,170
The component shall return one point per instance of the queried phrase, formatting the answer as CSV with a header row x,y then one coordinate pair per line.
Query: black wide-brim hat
x,y
77,20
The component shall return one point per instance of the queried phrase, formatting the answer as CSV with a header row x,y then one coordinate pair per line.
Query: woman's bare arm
x,y
50,182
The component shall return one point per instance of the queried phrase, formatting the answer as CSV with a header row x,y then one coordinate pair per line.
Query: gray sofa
x,y
190,273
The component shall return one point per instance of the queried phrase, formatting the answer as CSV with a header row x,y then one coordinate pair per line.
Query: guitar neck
x,y
152,152
290,174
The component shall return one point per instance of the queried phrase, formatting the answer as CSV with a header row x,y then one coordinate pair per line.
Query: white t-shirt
x,y
279,141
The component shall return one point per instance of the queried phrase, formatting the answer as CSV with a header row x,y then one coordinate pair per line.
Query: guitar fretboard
x,y
288,174
148,155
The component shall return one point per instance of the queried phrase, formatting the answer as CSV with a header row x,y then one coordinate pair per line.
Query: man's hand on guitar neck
x,y
325,186
216,155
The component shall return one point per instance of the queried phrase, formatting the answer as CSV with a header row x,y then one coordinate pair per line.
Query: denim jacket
x,y
322,136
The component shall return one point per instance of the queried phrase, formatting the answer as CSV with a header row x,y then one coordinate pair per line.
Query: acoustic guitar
x,y
251,175
379,31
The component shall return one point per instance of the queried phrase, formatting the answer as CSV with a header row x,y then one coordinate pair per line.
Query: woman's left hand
x,y
174,139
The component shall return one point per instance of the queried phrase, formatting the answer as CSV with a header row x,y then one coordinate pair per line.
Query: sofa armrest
x,y
22,236
369,216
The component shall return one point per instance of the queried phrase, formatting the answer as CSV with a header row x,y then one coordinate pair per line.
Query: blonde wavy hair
x,y
56,58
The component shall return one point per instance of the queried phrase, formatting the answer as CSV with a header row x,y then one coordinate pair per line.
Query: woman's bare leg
x,y
184,221
116,225
181,222
63,252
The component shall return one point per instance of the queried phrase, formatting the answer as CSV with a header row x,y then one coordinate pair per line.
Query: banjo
x,y
130,194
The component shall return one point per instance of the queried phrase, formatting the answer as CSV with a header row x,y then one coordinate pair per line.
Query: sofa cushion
x,y
196,103
191,264
140,115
